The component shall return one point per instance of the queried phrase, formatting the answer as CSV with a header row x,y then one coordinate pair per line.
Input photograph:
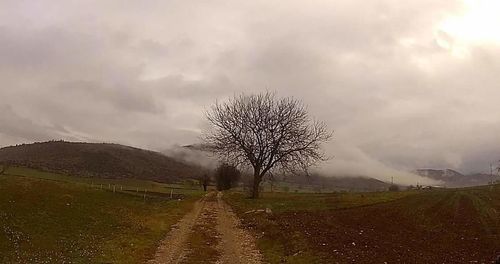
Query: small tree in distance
x,y
393,188
226,176
204,181
266,133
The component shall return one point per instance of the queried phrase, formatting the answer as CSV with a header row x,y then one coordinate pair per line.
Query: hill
x,y
98,160
358,183
452,178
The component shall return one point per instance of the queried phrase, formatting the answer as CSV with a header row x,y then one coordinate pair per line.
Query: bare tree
x,y
266,133
204,180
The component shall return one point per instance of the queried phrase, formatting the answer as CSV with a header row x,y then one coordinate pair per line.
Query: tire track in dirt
x,y
210,233
237,245
172,248
202,243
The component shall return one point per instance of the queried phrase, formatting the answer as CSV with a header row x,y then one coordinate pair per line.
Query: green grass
x,y
282,202
131,185
291,188
51,218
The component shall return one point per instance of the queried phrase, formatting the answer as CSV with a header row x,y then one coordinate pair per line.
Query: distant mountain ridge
x,y
452,178
105,160
188,153
100,160
438,174
357,183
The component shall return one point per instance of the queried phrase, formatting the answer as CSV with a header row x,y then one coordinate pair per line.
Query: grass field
x,y
131,185
450,226
282,202
51,218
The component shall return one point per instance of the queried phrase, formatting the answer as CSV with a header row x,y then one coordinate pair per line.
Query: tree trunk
x,y
256,184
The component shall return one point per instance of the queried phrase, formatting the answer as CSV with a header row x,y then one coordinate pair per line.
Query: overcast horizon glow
x,y
404,85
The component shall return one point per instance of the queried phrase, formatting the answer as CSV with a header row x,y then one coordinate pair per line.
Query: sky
x,y
403,84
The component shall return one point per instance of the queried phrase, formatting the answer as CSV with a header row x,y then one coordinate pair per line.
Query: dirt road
x,y
210,233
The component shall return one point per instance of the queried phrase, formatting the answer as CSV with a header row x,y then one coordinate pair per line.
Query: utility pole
x,y
491,174
498,170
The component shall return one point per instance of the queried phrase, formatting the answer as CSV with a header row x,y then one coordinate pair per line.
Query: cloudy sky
x,y
404,84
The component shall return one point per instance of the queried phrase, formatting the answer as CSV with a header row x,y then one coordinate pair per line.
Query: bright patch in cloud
x,y
479,23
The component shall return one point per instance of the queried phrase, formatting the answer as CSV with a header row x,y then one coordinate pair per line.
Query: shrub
x,y
394,188
226,176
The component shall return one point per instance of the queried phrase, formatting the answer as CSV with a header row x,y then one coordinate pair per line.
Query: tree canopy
x,y
265,132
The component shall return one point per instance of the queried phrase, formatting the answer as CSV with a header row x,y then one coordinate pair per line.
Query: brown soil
x,y
172,249
393,232
210,233
202,243
237,246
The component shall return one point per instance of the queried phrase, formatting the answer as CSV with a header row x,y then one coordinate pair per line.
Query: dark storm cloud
x,y
400,92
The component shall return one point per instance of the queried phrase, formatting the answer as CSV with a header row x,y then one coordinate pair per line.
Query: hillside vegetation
x,y
58,221
98,161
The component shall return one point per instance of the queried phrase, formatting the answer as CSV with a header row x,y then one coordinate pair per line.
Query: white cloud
x,y
400,85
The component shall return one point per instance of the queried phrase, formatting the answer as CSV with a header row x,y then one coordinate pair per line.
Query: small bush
x,y
394,188
226,176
